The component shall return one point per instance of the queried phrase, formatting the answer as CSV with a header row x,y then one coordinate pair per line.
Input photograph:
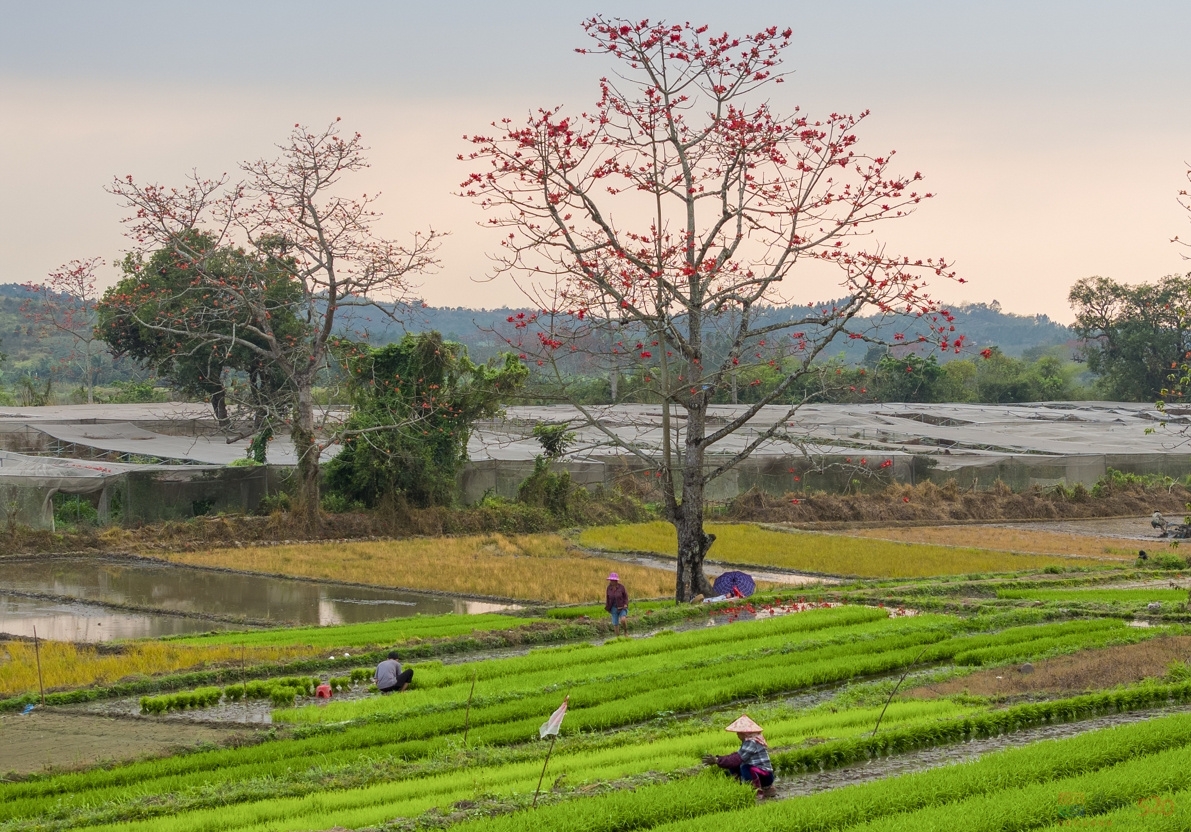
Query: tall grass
x,y
824,553
536,567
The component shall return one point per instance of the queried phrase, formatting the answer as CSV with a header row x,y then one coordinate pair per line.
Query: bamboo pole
x,y
37,653
542,776
898,685
467,716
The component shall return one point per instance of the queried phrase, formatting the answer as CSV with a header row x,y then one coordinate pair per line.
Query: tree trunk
x,y
302,434
693,542
219,407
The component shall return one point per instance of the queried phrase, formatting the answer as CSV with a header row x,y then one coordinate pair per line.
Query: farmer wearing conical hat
x,y
616,602
751,764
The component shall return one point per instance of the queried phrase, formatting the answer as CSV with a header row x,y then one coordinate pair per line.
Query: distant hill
x,y
983,325
28,352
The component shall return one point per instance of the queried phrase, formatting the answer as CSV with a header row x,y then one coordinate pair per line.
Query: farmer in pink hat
x,y
751,764
616,602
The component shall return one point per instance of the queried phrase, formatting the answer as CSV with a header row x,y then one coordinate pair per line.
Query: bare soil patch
x,y
1090,670
54,739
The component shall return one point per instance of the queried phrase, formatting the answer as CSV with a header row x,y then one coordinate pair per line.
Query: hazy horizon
x,y
1051,132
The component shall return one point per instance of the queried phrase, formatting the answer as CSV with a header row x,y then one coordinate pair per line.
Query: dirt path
x,y
54,739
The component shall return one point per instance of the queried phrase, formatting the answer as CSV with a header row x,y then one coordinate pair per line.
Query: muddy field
x,y
64,740
1078,673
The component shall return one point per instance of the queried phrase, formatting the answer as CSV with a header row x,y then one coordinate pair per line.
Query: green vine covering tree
x,y
413,404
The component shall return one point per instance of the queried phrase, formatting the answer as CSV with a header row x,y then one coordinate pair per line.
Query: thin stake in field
x,y
898,685
37,653
467,716
550,727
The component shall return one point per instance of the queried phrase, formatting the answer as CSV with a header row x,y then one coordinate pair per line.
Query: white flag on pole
x,y
554,723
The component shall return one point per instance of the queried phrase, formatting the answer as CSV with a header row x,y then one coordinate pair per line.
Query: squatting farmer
x,y
751,763
390,677
616,602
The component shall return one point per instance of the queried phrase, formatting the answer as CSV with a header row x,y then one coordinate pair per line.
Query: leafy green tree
x,y
212,357
1135,336
909,378
414,403
288,214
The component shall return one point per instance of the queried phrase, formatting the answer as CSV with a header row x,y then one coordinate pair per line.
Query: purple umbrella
x,y
729,581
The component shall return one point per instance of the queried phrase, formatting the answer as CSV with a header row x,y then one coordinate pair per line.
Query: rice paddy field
x,y
832,554
937,687
538,567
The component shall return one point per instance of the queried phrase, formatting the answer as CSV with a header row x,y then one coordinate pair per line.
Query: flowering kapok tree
x,y
66,303
286,220
682,201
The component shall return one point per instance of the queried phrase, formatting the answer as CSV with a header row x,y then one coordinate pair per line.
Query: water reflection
x,y
183,589
66,621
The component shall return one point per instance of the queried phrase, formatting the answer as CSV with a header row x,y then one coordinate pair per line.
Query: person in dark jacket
x,y
751,764
616,602
390,677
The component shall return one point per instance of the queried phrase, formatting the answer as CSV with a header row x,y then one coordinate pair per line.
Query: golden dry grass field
x,y
1000,538
834,554
67,665
536,567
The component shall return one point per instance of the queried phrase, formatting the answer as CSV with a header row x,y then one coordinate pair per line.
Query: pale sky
x,y
1054,133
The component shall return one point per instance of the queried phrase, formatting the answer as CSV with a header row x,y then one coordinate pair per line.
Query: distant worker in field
x,y
751,764
390,677
1158,521
616,602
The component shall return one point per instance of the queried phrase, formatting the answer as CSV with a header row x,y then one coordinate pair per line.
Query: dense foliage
x,y
196,354
1135,335
413,406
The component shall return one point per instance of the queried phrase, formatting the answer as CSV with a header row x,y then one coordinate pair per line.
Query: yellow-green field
x,y
67,665
536,567
831,554
1008,539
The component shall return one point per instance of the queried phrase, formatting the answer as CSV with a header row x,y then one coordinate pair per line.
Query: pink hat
x,y
612,576
744,725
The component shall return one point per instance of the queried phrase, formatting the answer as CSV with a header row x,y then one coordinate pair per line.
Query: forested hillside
x,y
40,355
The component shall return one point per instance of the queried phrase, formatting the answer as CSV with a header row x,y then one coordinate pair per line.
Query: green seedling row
x,y
1045,764
893,740
581,766
1131,597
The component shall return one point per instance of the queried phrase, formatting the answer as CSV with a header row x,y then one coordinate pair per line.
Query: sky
x,y
1055,134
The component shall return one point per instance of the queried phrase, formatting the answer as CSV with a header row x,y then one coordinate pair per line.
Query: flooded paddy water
x,y
96,599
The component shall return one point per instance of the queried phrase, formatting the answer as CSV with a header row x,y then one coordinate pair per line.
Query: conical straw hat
x,y
744,725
